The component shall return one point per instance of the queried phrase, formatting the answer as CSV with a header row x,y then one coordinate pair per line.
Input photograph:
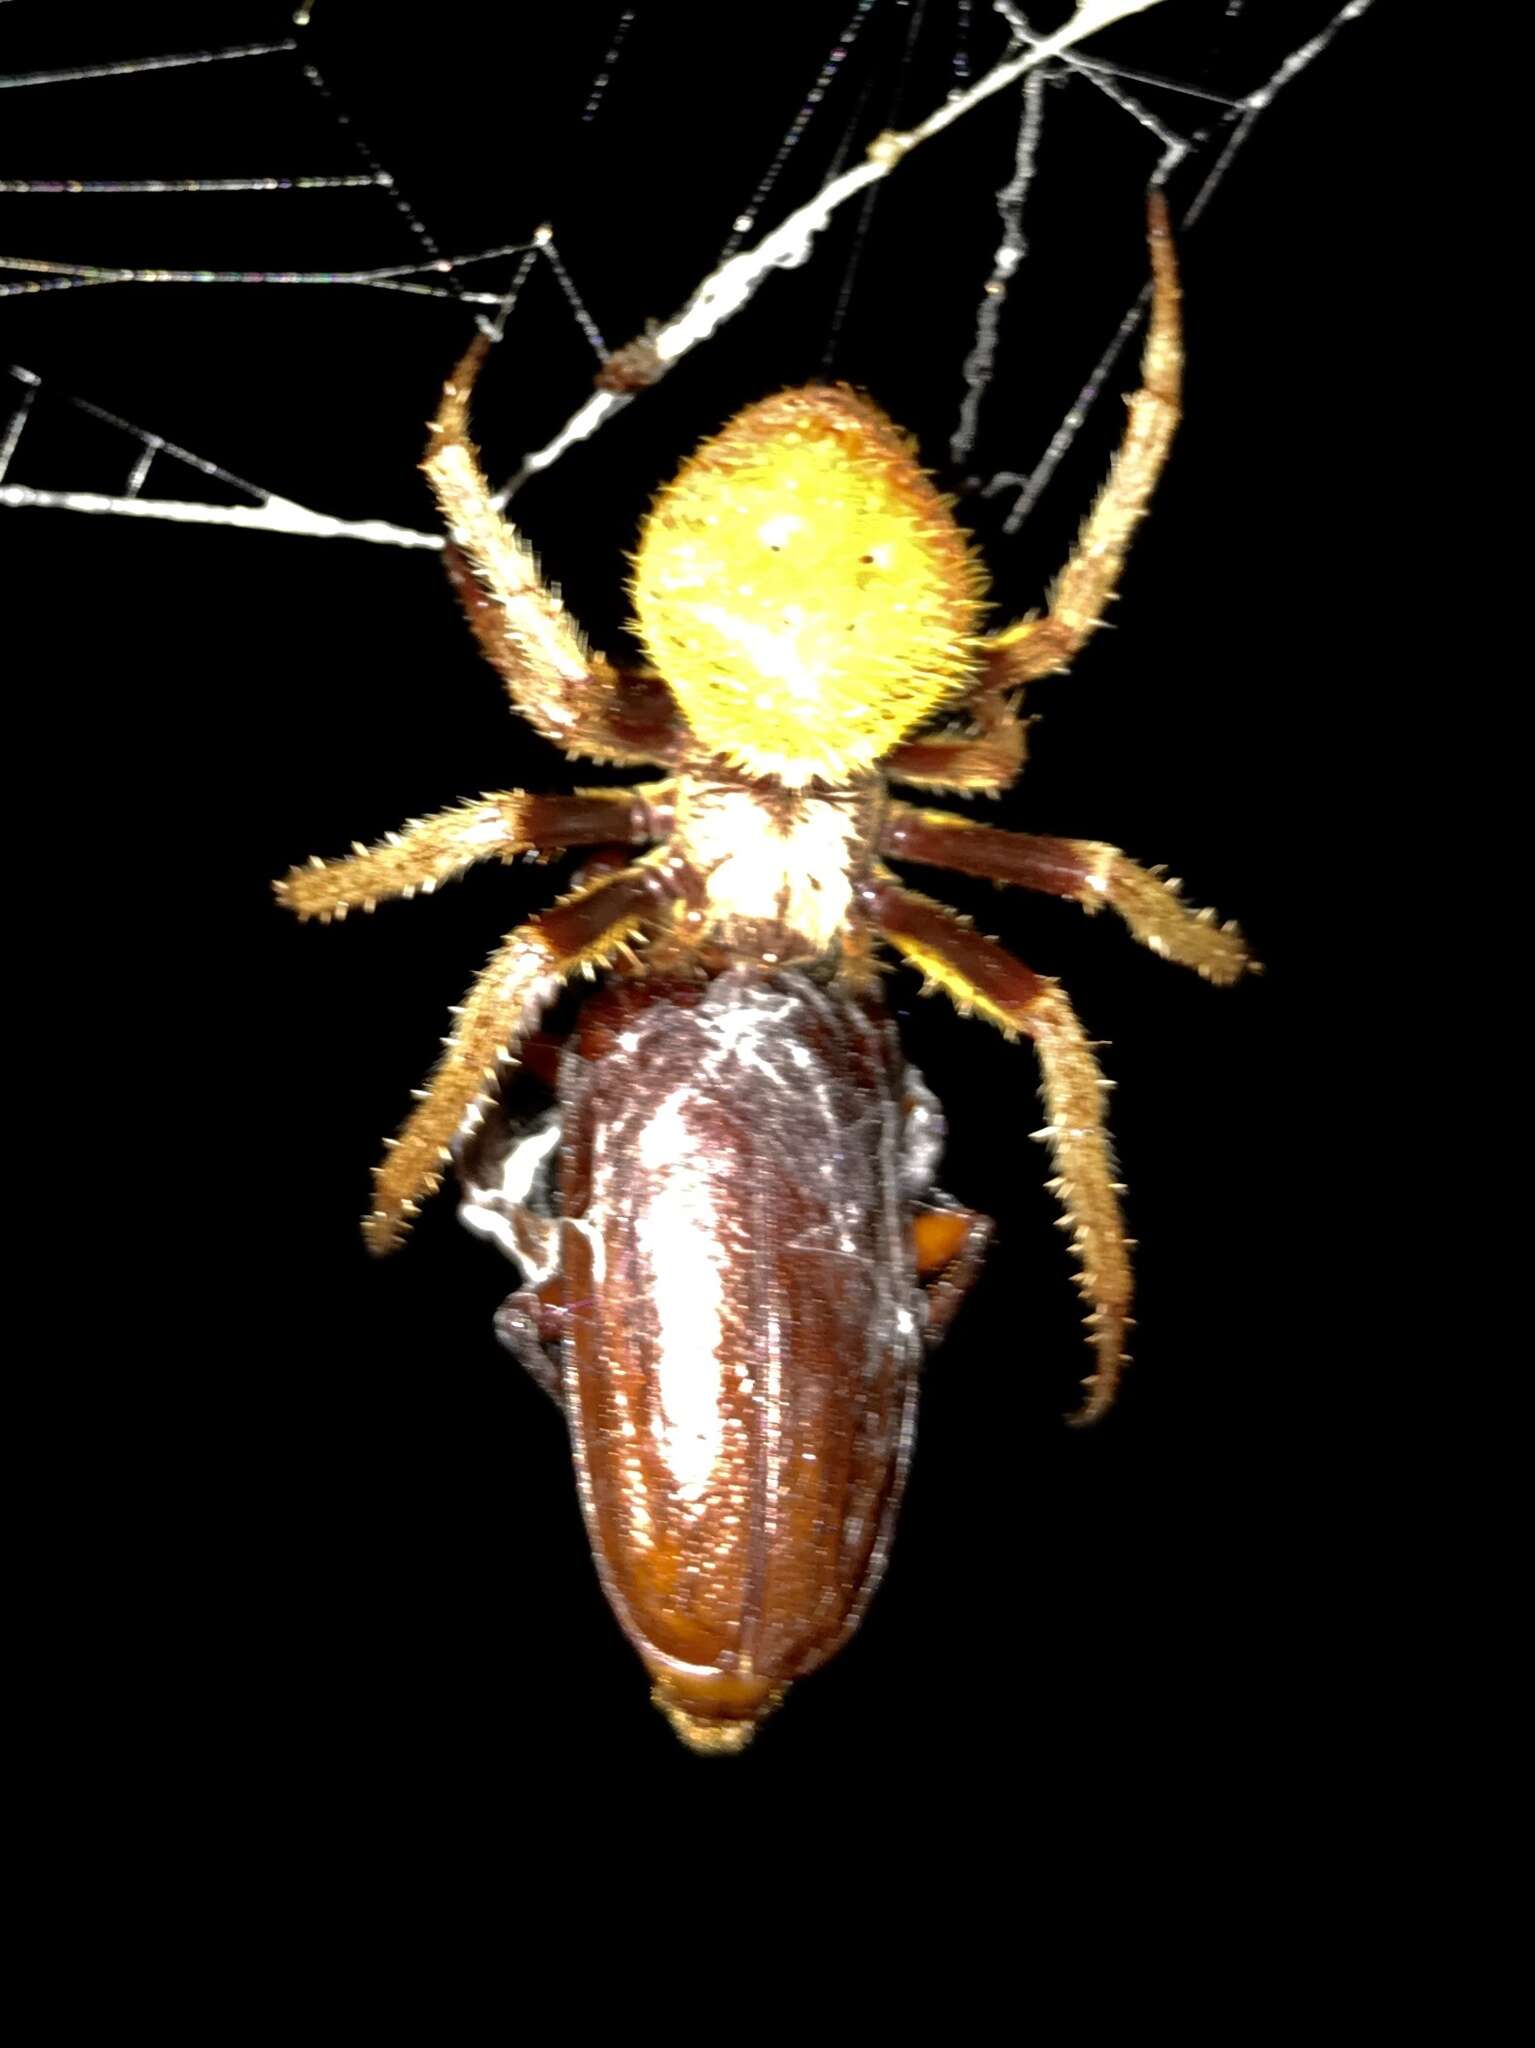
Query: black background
x,y
305,1552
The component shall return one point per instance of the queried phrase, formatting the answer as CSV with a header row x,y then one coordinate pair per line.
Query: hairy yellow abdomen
x,y
805,590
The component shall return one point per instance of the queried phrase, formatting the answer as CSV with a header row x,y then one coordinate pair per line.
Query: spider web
x,y
222,259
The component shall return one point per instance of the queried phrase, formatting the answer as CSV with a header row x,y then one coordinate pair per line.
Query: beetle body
x,y
721,1255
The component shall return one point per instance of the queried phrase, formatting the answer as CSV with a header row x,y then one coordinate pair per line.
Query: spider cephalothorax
x,y
812,612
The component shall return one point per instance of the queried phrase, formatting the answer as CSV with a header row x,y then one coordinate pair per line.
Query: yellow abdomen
x,y
805,590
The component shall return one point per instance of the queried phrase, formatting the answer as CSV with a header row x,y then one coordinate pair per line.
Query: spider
x,y
812,614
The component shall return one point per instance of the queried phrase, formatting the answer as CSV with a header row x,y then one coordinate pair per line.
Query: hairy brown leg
x,y
1085,870
980,976
429,851
572,695
1038,647
631,719
988,760
522,979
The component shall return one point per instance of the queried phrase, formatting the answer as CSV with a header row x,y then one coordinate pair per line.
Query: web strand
x,y
136,67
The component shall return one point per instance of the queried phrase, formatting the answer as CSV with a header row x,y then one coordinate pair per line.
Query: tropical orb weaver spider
x,y
731,1282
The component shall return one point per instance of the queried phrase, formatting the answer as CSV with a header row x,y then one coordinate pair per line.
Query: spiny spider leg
x,y
571,695
991,757
1087,871
1037,647
580,933
499,826
979,975
987,761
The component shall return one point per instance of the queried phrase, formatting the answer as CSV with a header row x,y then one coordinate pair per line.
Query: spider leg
x,y
980,976
570,694
499,826
580,933
988,761
992,757
1085,587
1087,871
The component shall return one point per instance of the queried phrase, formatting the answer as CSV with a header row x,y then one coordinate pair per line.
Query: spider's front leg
x,y
1084,870
573,696
500,826
990,759
524,976
1085,587
979,975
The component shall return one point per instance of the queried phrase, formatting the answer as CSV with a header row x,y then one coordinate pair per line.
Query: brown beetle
x,y
717,1229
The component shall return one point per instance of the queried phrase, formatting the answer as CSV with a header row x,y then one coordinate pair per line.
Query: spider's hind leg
x,y
979,975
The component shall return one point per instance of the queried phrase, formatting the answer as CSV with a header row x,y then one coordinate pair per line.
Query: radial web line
x,y
746,219
606,68
415,226
865,221
138,188
980,364
390,276
133,67
1010,252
